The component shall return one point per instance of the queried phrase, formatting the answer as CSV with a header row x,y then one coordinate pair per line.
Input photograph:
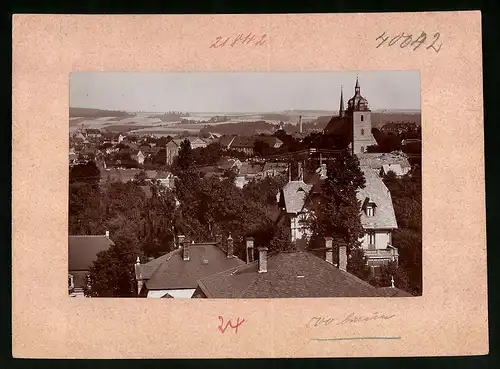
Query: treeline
x,y
406,193
96,113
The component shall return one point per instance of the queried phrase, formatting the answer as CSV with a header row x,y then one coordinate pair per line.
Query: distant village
x,y
315,213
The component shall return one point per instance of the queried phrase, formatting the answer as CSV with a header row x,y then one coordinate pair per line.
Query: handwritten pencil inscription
x,y
411,41
229,324
250,39
318,321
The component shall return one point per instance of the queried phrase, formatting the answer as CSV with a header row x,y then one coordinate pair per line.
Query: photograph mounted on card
x,y
216,180
245,185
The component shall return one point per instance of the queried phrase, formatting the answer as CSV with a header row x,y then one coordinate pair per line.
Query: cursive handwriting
x,y
405,40
222,329
239,39
349,319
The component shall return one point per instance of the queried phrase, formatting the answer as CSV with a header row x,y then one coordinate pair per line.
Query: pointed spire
x,y
341,111
357,88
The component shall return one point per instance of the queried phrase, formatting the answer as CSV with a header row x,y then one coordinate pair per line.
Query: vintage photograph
x,y
245,185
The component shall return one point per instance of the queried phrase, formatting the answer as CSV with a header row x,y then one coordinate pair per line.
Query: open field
x,y
148,123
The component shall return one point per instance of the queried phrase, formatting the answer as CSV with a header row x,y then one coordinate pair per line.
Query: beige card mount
x,y
450,318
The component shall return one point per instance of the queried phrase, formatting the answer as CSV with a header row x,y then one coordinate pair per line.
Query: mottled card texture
x,y
450,318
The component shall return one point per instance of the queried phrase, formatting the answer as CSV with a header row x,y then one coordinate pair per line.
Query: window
x,y
362,118
371,240
362,149
370,211
362,132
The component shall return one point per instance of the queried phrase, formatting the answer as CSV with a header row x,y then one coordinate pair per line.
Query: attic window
x,y
300,189
370,210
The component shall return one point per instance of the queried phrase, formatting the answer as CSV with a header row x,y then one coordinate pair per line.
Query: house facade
x,y
82,252
378,220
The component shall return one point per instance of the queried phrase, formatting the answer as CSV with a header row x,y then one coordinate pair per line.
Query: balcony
x,y
388,254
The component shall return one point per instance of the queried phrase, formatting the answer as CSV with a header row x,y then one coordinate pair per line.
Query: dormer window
x,y
370,209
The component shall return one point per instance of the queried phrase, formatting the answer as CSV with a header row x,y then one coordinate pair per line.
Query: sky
x,y
241,92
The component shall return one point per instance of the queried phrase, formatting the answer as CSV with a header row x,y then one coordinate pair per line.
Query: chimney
x,y
107,234
138,275
180,240
230,247
300,123
249,242
262,259
343,257
185,250
329,250
300,172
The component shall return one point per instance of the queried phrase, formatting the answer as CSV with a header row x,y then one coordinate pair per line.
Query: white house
x,y
378,219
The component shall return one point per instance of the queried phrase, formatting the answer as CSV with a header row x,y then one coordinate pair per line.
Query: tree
x,y
337,213
87,172
185,158
389,272
140,178
357,264
112,274
261,148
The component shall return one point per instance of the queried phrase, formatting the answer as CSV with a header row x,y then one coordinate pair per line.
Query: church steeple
x,y
341,110
356,88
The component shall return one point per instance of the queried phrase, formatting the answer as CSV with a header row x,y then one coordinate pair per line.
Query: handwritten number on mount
x,y
436,37
419,41
382,38
249,39
222,329
407,40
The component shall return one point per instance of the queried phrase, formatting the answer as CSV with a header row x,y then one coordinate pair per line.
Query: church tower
x,y
360,117
341,110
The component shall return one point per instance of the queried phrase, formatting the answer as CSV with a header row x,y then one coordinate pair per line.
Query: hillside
x,y
96,113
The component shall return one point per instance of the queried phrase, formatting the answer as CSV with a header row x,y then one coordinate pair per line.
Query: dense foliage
x,y
146,226
406,195
336,212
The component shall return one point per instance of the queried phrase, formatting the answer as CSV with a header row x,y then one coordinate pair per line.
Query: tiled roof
x,y
297,274
225,141
376,191
338,126
275,166
250,168
242,142
376,160
171,272
393,292
295,194
82,250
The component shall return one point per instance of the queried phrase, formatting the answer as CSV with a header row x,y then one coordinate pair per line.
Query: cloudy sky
x,y
241,92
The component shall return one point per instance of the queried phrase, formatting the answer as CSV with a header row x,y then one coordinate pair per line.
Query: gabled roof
x,y
296,274
275,166
250,168
243,142
226,141
294,195
338,126
170,271
83,250
376,191
377,160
